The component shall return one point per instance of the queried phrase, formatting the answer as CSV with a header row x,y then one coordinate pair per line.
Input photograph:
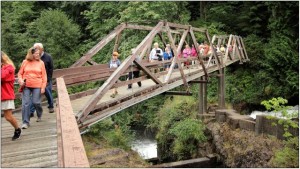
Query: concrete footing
x,y
204,162
262,125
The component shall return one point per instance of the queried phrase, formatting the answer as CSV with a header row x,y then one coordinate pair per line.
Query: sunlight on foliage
x,y
278,106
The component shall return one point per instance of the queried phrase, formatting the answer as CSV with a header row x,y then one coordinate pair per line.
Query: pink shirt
x,y
187,52
194,52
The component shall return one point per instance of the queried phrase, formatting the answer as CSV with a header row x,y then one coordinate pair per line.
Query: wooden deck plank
x,y
37,145
123,91
111,106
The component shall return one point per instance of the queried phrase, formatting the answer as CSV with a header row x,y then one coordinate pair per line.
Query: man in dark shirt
x,y
47,59
134,74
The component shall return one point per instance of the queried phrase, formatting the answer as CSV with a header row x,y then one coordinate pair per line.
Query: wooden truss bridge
x,y
99,105
79,111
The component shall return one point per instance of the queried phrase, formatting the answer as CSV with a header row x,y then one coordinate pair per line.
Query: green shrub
x,y
118,138
188,134
179,131
278,105
113,135
288,157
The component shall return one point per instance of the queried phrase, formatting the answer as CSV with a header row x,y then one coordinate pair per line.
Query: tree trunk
x,y
202,10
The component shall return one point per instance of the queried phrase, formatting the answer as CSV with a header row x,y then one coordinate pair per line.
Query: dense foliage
x,y
70,29
114,135
278,105
288,156
270,30
179,130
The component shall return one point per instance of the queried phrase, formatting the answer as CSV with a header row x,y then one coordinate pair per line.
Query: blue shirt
x,y
167,56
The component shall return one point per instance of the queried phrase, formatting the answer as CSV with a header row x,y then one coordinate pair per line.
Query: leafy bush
x,y
113,135
119,138
278,105
288,157
188,133
179,131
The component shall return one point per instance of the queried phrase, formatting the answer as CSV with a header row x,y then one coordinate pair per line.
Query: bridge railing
x,y
82,75
71,152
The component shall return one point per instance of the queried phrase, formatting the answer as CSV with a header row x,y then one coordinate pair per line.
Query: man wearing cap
x,y
114,63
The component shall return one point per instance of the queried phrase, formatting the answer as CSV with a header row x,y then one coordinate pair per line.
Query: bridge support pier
x,y
221,89
202,96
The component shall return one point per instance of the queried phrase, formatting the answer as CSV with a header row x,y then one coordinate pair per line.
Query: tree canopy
x,y
69,29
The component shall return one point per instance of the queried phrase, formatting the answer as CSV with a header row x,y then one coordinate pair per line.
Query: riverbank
x,y
243,149
101,155
233,148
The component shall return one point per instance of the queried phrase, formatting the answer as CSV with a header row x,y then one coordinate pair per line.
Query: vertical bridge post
x,y
221,89
202,96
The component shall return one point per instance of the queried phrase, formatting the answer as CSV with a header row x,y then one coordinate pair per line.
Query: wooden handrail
x,y
71,152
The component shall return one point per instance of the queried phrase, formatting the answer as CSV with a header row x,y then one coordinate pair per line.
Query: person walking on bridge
x,y
134,74
47,59
32,75
114,63
8,94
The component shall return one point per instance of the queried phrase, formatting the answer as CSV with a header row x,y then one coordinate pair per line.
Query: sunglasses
x,y
33,50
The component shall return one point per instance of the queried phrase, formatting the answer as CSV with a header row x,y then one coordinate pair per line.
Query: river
x,y
145,144
276,114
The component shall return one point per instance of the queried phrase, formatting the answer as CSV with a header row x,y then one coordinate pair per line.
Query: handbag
x,y
22,87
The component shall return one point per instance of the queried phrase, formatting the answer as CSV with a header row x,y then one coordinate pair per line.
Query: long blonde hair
x,y
5,60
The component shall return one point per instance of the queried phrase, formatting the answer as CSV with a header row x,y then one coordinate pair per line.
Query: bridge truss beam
x,y
75,74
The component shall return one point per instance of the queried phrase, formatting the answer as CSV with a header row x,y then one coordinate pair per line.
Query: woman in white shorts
x,y
7,93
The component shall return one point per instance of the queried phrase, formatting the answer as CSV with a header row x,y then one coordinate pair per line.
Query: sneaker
x,y
51,110
113,95
25,126
17,134
38,119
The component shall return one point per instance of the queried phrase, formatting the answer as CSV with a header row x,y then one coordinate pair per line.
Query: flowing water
x,y
276,114
145,144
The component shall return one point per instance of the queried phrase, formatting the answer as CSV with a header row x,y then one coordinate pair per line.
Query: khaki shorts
x,y
7,104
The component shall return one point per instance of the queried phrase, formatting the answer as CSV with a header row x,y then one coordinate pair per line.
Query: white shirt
x,y
153,54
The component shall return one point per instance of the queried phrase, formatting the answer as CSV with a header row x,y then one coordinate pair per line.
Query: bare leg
x,y
10,118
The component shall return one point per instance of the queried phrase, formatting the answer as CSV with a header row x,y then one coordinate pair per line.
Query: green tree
x,y
272,44
15,18
104,16
152,12
242,18
58,34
